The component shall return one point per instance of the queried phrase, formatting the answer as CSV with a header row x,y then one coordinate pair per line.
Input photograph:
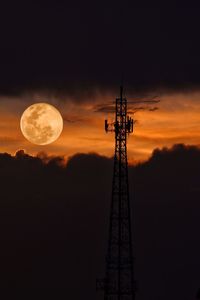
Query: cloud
x,y
54,222
83,49
9,141
176,121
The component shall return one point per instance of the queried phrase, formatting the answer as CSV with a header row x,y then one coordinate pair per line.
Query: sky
x,y
55,199
74,56
175,121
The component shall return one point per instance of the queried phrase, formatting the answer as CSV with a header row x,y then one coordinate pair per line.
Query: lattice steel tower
x,y
118,283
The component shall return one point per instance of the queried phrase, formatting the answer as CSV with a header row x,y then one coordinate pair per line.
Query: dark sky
x,y
54,224
53,219
81,45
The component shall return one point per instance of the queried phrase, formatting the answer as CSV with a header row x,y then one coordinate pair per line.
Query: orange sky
x,y
176,121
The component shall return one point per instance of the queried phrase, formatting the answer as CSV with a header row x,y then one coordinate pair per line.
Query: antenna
x,y
119,283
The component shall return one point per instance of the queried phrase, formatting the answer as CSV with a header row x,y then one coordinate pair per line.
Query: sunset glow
x,y
176,121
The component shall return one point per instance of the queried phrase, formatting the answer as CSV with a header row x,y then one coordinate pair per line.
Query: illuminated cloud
x,y
176,120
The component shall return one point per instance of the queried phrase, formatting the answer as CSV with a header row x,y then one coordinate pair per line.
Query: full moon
x,y
41,124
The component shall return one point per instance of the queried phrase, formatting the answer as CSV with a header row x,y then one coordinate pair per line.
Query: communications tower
x,y
118,283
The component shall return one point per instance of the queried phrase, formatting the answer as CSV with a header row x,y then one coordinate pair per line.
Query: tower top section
x,y
123,124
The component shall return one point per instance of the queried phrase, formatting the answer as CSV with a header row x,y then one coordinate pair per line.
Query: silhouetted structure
x,y
119,278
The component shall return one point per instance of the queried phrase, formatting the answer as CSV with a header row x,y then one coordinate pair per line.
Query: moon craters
x,y
41,123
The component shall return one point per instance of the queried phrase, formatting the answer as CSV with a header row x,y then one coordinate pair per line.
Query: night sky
x,y
55,199
82,45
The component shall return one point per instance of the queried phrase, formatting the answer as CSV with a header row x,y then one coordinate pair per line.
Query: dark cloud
x,y
78,47
54,223
134,105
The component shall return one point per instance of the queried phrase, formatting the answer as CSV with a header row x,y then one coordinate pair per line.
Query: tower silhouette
x,y
118,283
